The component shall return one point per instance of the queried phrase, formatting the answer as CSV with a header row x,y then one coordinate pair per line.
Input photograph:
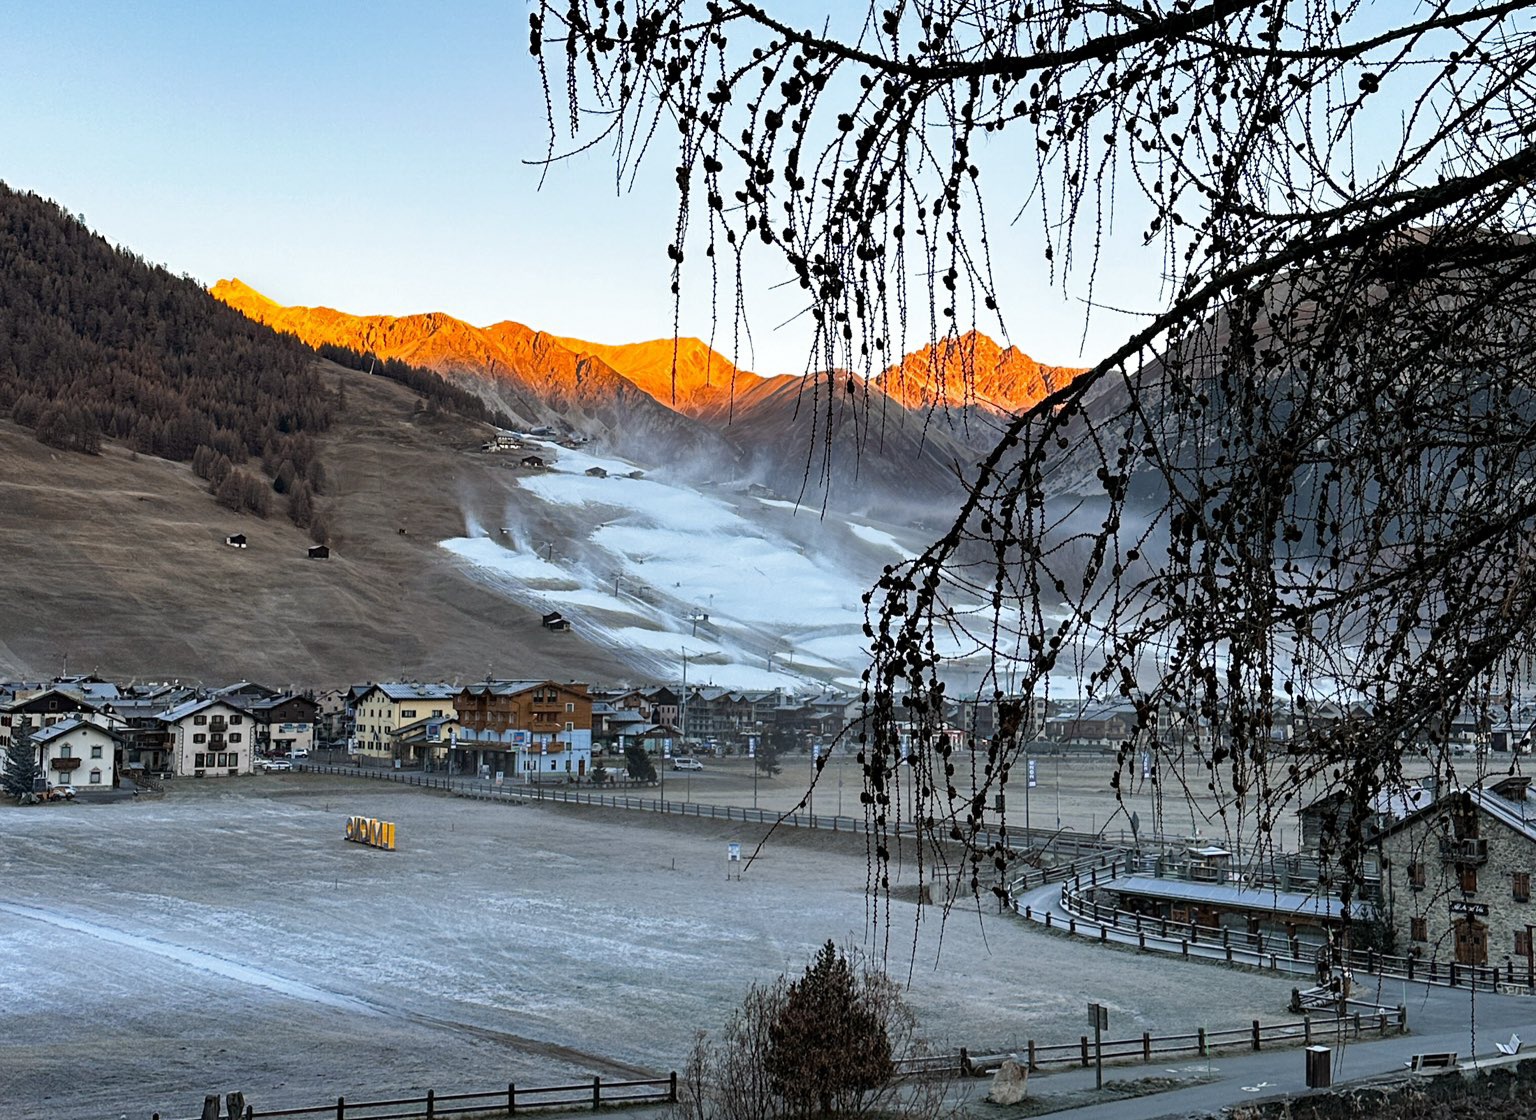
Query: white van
x,y
681,763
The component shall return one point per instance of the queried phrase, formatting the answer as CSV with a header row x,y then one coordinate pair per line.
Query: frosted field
x,y
226,937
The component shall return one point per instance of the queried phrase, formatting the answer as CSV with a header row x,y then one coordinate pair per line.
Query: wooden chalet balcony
x,y
64,763
216,723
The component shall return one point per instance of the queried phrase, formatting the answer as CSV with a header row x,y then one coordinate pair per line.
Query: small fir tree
x,y
21,770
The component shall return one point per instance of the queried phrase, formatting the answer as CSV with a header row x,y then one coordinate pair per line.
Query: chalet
x,y
556,621
524,728
319,552
533,462
596,472
43,708
235,540
284,724
75,752
208,738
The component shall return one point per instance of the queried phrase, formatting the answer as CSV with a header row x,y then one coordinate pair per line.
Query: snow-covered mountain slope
x,y
754,591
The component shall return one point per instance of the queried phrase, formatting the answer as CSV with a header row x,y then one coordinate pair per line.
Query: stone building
x,y
1456,877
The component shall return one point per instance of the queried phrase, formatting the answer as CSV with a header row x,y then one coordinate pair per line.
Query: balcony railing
x,y
65,763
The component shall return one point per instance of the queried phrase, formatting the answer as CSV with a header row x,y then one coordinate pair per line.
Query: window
x,y
96,777
1469,880
96,751
200,720
199,761
1521,881
570,707
1418,929
407,713
234,736
1523,943
65,751
199,737
236,719
1416,875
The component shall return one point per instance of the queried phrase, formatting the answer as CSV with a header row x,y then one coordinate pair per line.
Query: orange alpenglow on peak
x,y
972,370
688,376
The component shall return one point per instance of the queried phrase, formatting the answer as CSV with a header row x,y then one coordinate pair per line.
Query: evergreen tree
x,y
639,764
828,1046
21,769
301,507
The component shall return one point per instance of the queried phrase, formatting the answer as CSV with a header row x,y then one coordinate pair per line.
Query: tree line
x,y
430,387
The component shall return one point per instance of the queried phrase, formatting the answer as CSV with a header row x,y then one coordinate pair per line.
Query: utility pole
x,y
684,713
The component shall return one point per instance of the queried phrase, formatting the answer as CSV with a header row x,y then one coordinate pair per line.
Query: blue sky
x,y
371,157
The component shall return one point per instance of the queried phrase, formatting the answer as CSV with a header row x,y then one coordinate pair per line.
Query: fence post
x,y
1306,1028
1146,1046
512,1097
1072,924
341,1108
965,1062
1357,1024
1381,1024
1201,1044
672,1088
1184,948
597,1093
1255,1034
1141,940
1103,935
1084,1041
431,1103
1030,1060
1402,1018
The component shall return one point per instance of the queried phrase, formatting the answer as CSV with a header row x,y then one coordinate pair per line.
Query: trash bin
x,y
1319,1067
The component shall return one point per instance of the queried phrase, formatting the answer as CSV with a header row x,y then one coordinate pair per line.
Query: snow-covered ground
x,y
754,592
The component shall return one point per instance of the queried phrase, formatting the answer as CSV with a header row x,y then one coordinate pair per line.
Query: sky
x,y
375,158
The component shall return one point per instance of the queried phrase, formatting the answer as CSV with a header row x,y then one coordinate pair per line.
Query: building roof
x,y
412,690
190,707
1247,898
501,688
64,727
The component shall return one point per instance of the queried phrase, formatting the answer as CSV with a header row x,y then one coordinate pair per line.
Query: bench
x,y
1509,1049
1421,1062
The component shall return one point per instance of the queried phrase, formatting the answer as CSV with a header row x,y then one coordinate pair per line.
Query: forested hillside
x,y
96,342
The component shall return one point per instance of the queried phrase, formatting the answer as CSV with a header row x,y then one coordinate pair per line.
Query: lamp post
x,y
752,741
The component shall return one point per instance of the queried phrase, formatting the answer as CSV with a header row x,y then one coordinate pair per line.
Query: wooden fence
x,y
1148,1047
515,1099
1270,951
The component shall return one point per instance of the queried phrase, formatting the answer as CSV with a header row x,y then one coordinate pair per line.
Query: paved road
x,y
1440,1019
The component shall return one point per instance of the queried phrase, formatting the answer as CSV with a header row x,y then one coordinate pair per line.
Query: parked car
x,y
60,793
687,764
298,752
271,765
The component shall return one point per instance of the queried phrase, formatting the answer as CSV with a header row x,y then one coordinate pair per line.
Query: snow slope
x,y
756,593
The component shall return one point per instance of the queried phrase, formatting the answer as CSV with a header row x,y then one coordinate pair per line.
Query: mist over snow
x,y
757,592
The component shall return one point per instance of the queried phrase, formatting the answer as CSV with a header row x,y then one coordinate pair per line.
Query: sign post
x,y
1098,1019
732,855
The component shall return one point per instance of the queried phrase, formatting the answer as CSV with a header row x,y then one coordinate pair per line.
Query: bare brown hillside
x,y
118,562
